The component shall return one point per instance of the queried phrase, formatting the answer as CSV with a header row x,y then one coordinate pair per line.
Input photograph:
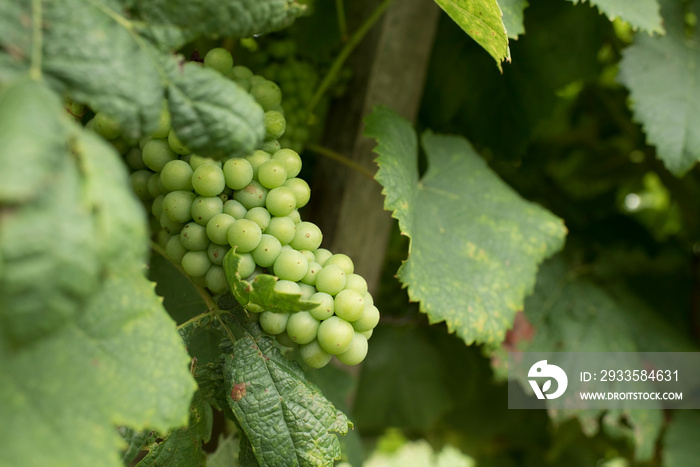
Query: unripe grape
x,y
176,144
291,265
356,282
260,216
325,308
267,93
302,327
301,190
267,251
163,127
169,225
291,161
139,183
335,335
368,319
206,207
217,228
288,287
196,263
174,249
284,339
198,161
256,159
343,261
238,173
247,266
273,322
311,273
313,355
155,187
177,205
306,290
215,279
105,126
349,304
235,209
244,235
216,253
322,256
368,334
176,176
241,72
219,59
252,196
330,279
272,174
283,228
307,254
280,201
157,206
156,153
369,299
295,216
208,180
134,159
275,124
271,146
194,237
356,352
307,237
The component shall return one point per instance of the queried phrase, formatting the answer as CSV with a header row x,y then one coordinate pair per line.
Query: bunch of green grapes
x,y
203,208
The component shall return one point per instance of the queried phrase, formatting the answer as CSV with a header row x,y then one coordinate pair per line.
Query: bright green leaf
x,y
641,14
513,16
481,19
475,244
661,73
286,418
64,394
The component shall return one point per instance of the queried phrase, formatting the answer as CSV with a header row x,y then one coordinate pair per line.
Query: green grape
x,y
155,187
143,141
134,159
302,327
194,237
235,209
335,335
313,355
288,287
119,145
76,109
267,94
290,265
177,205
272,174
330,279
198,161
368,319
241,72
208,180
174,249
322,256
369,299
252,196
157,206
306,290
280,201
368,334
217,228
169,225
309,255
238,173
106,126
295,216
343,261
311,273
256,159
139,183
176,176
307,237
255,79
273,322
356,282
275,124
348,304
260,216
283,228
206,207
267,251
325,309
219,59
271,146
216,253
215,279
244,235
301,190
196,263
247,266
285,340
356,352
163,128
177,145
156,153
291,161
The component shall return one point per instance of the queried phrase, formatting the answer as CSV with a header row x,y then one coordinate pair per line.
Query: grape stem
x,y
37,39
329,153
200,317
342,24
350,46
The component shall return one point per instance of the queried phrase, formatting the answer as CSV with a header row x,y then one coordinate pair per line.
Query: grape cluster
x,y
203,207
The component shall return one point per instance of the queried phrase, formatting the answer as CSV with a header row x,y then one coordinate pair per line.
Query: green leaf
x,y
661,73
135,440
475,243
260,295
286,418
421,454
181,297
402,383
513,17
211,114
183,447
640,14
226,454
69,389
237,18
481,19
680,445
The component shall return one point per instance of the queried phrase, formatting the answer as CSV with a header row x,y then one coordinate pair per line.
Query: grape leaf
x,y
260,294
481,19
660,73
513,16
212,115
69,389
640,14
226,453
681,438
135,440
286,419
475,244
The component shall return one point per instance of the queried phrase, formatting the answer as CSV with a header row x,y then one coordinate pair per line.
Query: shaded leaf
x,y
226,454
513,16
680,445
640,14
475,244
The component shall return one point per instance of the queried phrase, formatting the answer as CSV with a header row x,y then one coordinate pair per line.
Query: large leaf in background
x,y
513,16
640,14
661,73
287,419
481,19
572,313
680,445
475,243
120,362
